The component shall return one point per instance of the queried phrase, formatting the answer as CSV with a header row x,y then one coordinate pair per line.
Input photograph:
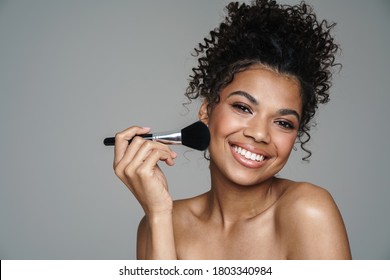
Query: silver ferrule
x,y
168,137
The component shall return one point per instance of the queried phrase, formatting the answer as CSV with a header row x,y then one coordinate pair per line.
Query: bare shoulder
x,y
301,202
304,196
310,223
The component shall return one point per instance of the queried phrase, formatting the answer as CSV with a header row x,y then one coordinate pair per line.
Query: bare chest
x,y
247,240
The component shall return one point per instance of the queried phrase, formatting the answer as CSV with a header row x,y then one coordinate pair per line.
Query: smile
x,y
248,155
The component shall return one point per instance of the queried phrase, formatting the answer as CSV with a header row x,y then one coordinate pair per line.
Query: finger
x,y
122,141
135,155
126,158
159,155
149,146
148,166
127,161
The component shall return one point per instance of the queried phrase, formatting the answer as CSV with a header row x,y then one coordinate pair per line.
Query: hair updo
x,y
288,39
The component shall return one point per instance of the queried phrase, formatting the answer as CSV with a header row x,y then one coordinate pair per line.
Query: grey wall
x,y
74,72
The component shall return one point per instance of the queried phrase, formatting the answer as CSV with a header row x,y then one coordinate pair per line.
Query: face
x,y
254,126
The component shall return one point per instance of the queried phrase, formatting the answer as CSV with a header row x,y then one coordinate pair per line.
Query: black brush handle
x,y
110,141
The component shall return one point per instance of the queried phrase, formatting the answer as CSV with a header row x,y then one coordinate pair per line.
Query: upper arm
x,y
315,229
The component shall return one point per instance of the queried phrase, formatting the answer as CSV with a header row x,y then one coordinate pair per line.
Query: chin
x,y
245,177
244,181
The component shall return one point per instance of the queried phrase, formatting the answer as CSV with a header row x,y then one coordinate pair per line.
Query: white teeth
x,y
248,154
261,158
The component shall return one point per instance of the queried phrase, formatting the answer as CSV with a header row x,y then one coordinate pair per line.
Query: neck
x,y
231,203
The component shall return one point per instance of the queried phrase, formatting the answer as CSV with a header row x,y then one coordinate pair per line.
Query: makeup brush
x,y
195,136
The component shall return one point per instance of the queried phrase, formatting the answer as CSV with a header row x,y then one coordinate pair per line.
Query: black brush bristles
x,y
196,136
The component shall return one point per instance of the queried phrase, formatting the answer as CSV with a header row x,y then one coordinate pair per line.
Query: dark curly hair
x,y
288,39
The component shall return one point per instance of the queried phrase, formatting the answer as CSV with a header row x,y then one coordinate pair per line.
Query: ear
x,y
203,114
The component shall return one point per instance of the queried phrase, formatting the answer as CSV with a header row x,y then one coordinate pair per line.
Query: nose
x,y
258,130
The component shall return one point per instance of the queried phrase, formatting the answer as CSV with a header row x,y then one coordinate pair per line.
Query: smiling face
x,y
254,125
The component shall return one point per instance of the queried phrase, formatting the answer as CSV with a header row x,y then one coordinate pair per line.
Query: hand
x,y
136,165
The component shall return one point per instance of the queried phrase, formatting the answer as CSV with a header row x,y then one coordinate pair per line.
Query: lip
x,y
247,162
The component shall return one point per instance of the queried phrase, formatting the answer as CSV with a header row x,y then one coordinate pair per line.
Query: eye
x,y
241,107
285,124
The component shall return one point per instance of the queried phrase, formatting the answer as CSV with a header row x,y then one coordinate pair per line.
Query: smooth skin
x,y
248,212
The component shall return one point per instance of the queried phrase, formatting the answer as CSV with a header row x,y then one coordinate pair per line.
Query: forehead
x,y
265,84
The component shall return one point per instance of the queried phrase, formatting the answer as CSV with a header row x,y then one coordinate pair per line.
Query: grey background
x,y
73,72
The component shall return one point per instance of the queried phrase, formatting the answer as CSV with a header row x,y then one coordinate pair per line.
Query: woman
x,y
261,75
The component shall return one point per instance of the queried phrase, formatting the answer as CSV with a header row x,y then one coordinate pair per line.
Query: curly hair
x,y
288,39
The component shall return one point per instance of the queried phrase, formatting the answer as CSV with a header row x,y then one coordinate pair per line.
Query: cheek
x,y
223,122
285,143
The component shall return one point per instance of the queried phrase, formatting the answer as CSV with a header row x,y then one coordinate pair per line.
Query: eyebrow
x,y
281,112
284,112
246,95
